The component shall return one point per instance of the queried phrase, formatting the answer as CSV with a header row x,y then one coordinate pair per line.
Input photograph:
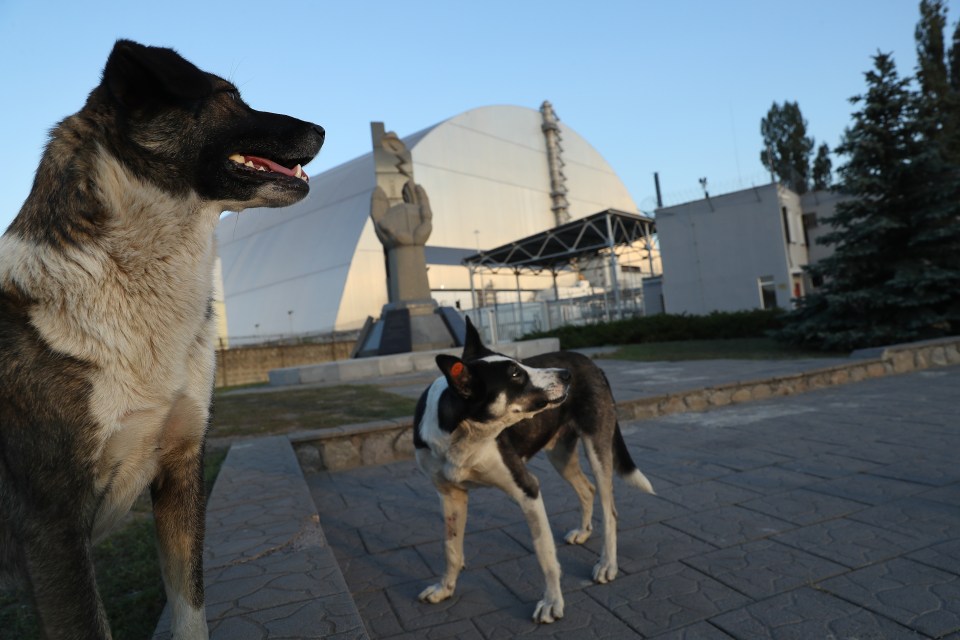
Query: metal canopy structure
x,y
558,248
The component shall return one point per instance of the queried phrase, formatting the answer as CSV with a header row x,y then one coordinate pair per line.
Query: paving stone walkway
x,y
831,514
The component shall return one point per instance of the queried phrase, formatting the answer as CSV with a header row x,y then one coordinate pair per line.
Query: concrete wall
x,y
249,365
714,251
823,205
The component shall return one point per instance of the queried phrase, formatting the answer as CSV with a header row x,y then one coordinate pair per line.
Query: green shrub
x,y
667,328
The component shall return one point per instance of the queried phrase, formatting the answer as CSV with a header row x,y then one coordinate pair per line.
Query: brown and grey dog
x,y
107,328
488,414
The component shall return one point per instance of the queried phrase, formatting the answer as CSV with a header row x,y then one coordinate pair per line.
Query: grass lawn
x,y
271,412
733,349
128,575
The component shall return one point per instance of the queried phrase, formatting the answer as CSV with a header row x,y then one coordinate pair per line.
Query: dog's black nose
x,y
565,375
320,132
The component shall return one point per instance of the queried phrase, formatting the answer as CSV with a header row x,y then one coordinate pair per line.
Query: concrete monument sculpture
x,y
402,218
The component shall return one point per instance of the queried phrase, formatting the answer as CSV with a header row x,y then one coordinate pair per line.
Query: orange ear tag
x,y
456,370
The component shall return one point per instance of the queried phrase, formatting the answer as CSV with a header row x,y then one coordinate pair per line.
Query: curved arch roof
x,y
318,266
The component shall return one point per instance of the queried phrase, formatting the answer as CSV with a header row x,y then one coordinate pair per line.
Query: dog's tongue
x,y
270,165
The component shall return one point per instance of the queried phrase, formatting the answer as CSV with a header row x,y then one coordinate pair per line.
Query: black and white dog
x,y
479,423
107,327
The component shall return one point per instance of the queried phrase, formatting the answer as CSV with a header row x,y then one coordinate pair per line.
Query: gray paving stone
x,y
764,568
458,629
709,494
829,465
934,472
478,592
386,535
745,459
868,488
768,497
807,614
949,494
730,525
666,598
925,519
646,547
770,480
480,549
524,578
317,618
637,509
378,616
583,618
915,595
372,572
803,507
697,631
850,543
944,556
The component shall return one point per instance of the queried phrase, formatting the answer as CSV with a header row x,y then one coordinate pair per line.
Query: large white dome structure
x,y
318,266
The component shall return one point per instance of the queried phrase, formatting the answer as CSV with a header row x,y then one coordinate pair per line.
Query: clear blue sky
x,y
677,87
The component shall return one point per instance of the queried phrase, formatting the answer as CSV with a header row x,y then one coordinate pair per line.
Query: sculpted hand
x,y
407,223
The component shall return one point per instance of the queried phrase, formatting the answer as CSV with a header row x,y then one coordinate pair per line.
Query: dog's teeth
x,y
249,164
239,159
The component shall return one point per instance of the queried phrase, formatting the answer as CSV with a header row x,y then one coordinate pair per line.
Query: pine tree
x,y
895,272
938,99
787,148
822,168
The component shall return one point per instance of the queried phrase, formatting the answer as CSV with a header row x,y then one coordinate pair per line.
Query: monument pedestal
x,y
403,327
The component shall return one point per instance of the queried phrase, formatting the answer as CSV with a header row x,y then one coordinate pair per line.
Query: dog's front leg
x,y
178,508
514,479
550,608
454,502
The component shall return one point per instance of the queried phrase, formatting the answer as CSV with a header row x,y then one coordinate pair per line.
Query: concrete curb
x,y
366,368
380,442
267,564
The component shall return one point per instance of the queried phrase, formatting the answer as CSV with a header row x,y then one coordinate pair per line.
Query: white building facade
x,y
742,250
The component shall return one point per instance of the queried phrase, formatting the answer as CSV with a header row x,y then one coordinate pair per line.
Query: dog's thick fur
x,y
107,328
487,415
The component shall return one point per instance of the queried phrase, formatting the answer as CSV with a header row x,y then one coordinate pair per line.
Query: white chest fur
x,y
133,304
465,456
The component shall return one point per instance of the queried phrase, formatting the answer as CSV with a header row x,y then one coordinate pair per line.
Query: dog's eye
x,y
515,372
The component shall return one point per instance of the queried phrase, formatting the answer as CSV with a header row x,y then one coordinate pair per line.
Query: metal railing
x,y
507,322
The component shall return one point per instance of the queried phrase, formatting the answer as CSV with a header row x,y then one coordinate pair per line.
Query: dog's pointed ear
x,y
136,75
457,374
472,344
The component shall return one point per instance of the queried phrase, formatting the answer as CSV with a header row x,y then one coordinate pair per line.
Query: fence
x,y
250,359
507,322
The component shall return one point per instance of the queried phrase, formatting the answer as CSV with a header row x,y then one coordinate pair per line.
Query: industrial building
x,y
742,250
493,175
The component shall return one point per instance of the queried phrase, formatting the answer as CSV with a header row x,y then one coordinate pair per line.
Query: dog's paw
x,y
548,610
435,593
578,536
604,572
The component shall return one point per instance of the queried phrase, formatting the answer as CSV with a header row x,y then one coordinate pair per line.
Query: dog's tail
x,y
625,465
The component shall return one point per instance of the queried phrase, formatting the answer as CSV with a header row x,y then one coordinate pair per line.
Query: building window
x,y
768,292
809,222
786,224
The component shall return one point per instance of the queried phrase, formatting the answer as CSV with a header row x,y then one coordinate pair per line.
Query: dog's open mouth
x,y
255,163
